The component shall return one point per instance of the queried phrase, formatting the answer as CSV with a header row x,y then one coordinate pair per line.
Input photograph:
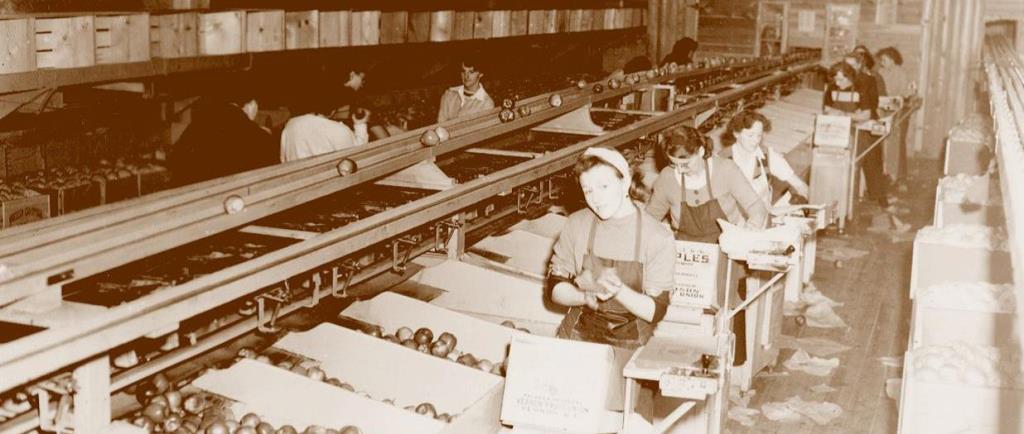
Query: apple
x,y
247,353
430,138
506,115
598,88
245,430
333,381
614,83
264,428
287,429
524,330
484,365
160,399
449,339
347,167
426,409
423,348
376,331
156,412
444,417
440,348
172,423
423,336
298,369
218,428
160,383
232,424
404,333
467,359
524,111
315,429
316,374
555,100
349,429
392,339
442,133
508,103
250,419
409,343
581,83
174,400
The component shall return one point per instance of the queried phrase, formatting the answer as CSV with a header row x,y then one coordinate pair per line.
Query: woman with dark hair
x,y
682,52
856,96
612,264
698,188
767,171
891,70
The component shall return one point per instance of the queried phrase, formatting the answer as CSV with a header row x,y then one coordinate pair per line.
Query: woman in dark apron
x,y
612,264
696,190
767,171
856,95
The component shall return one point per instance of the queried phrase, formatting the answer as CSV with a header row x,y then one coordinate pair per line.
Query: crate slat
x,y
264,31
419,27
301,30
65,42
394,27
500,21
464,24
122,38
221,33
335,28
483,25
442,26
174,35
518,22
17,45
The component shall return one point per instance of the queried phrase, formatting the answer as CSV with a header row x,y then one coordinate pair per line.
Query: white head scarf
x,y
613,158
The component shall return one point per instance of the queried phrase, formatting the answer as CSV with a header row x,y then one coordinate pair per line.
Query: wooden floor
x,y
873,289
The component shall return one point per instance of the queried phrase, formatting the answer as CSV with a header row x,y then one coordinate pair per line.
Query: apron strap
x,y
638,236
682,185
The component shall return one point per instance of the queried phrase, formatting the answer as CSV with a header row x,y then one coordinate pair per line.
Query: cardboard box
x,y
979,202
937,326
392,311
967,157
936,263
524,251
701,273
830,179
939,407
565,386
411,378
24,210
285,397
503,298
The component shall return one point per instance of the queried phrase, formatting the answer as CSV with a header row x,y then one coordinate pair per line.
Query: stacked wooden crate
x,y
184,29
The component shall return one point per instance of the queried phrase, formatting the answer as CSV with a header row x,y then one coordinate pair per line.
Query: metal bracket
x,y
448,227
314,298
533,195
60,420
343,273
263,323
398,257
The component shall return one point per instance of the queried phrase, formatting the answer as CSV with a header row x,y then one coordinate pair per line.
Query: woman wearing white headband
x,y
612,264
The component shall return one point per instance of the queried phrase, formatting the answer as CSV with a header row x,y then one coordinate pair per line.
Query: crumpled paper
x,y
801,361
820,347
893,386
823,388
740,398
822,316
795,409
745,416
816,308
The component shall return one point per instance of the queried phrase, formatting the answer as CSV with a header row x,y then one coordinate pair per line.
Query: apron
x,y
611,323
699,223
767,186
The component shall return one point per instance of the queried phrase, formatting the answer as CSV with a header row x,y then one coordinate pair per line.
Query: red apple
x,y
449,339
424,336
440,348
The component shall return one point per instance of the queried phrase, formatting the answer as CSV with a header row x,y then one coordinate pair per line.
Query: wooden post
x,y
92,396
653,45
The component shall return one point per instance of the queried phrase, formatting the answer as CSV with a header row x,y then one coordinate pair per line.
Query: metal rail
x,y
44,352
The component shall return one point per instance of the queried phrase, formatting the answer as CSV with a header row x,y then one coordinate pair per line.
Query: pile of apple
x,y
167,410
444,346
16,190
309,369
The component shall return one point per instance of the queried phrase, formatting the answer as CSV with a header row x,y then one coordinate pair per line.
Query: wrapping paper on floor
x,y
839,253
795,410
803,362
963,363
978,236
742,415
972,296
820,347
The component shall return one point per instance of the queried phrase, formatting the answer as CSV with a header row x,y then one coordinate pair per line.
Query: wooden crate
x,y
500,23
979,204
174,35
543,22
483,25
967,157
519,21
264,30
442,26
24,159
938,326
17,45
394,27
65,42
364,28
563,21
65,200
301,30
936,262
122,38
221,33
176,4
24,210
419,27
465,21
335,28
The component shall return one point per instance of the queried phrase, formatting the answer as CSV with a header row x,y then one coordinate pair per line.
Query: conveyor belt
x,y
176,273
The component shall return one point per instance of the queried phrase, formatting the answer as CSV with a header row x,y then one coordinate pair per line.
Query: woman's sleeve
x,y
659,275
563,257
660,204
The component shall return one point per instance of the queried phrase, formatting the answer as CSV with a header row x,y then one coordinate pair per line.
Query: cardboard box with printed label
x,y
412,378
564,386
